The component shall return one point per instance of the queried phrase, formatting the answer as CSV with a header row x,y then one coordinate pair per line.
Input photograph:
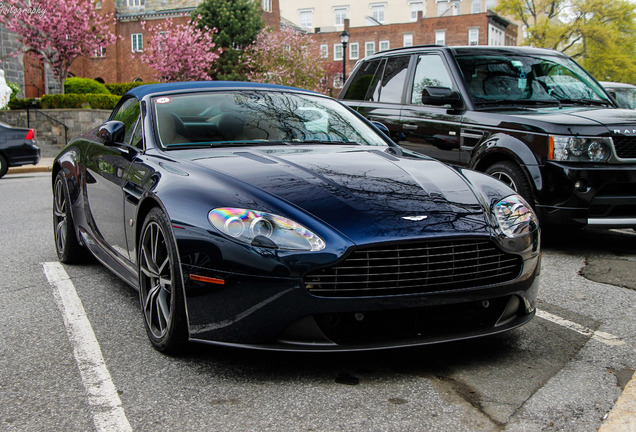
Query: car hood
x,y
602,120
366,194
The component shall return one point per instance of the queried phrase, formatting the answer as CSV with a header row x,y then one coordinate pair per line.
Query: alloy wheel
x,y
506,179
156,280
60,217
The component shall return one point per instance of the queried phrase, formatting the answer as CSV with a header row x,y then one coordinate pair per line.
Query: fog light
x,y
581,186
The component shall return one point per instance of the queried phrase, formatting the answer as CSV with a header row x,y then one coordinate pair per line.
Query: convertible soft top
x,y
144,90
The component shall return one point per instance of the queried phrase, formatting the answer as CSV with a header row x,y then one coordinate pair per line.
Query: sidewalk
x,y
44,165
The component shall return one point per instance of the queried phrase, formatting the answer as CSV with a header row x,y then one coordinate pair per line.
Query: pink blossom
x,y
59,31
287,57
180,52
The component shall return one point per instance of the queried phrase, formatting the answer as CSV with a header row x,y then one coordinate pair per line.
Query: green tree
x,y
600,35
237,23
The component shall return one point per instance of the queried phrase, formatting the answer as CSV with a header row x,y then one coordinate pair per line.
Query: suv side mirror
x,y
112,132
439,96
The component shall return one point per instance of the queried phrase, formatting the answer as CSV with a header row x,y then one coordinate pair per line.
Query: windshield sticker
x,y
163,100
522,81
517,63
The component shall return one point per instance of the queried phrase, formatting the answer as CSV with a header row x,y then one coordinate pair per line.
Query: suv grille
x,y
625,146
415,268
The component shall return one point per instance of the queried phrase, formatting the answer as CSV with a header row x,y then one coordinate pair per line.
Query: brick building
x,y
118,62
486,28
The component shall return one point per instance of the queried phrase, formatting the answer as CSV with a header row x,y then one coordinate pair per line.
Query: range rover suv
x,y
532,118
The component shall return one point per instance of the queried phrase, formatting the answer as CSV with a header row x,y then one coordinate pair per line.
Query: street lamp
x,y
344,39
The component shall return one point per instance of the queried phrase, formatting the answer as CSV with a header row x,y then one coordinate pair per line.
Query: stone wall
x,y
49,132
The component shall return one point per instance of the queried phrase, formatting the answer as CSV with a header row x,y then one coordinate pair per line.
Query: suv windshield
x,y
233,118
518,78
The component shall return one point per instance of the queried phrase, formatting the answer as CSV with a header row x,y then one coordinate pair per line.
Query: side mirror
x,y
439,96
382,127
112,132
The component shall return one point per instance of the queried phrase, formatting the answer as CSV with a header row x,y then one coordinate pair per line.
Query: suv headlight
x,y
264,229
579,149
515,217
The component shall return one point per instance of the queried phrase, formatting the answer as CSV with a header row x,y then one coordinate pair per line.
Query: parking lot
x,y
562,371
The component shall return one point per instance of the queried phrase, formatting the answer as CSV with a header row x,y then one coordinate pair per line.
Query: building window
x,y
440,37
496,36
442,5
98,5
99,52
134,3
377,12
136,42
267,5
384,45
407,39
476,6
324,51
306,18
473,36
341,15
417,6
369,48
337,52
354,51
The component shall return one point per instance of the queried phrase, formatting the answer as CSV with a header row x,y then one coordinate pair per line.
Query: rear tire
x,y
160,285
69,250
512,176
4,166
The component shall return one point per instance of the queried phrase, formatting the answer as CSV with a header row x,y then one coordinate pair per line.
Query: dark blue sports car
x,y
277,218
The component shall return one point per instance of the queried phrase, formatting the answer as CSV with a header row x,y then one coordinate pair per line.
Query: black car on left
x,y
18,146
276,218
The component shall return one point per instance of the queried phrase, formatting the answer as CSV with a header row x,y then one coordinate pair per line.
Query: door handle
x,y
410,127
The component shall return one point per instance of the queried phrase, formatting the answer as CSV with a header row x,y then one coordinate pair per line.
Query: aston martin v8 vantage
x,y
271,217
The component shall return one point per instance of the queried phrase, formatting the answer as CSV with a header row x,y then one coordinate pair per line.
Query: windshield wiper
x,y
583,102
299,142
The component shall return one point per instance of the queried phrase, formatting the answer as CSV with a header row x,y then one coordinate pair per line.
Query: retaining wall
x,y
50,132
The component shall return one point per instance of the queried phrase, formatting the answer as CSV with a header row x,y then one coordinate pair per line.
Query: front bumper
x,y
280,314
588,195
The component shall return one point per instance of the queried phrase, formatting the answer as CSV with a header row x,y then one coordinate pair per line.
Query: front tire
x,y
512,176
69,250
160,285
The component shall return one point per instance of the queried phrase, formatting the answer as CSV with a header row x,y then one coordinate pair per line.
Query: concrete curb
x,y
622,417
45,165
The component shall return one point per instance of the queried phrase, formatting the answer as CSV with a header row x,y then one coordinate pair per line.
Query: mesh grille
x,y
625,147
415,268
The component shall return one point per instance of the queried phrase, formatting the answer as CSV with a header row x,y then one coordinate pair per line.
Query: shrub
x,y
121,88
76,85
18,103
95,101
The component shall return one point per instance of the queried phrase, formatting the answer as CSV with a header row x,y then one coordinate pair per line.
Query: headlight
x,y
515,217
264,229
577,149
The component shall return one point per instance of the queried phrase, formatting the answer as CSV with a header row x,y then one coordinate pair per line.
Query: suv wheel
x,y
512,176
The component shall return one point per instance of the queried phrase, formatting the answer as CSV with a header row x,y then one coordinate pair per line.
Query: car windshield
x,y
234,118
520,79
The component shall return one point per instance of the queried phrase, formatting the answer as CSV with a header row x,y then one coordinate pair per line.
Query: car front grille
x,y
415,268
625,146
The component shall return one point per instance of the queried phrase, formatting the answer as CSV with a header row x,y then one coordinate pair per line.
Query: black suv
x,y
531,117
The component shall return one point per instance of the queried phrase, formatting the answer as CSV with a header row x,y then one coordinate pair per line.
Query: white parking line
x,y
108,414
606,338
